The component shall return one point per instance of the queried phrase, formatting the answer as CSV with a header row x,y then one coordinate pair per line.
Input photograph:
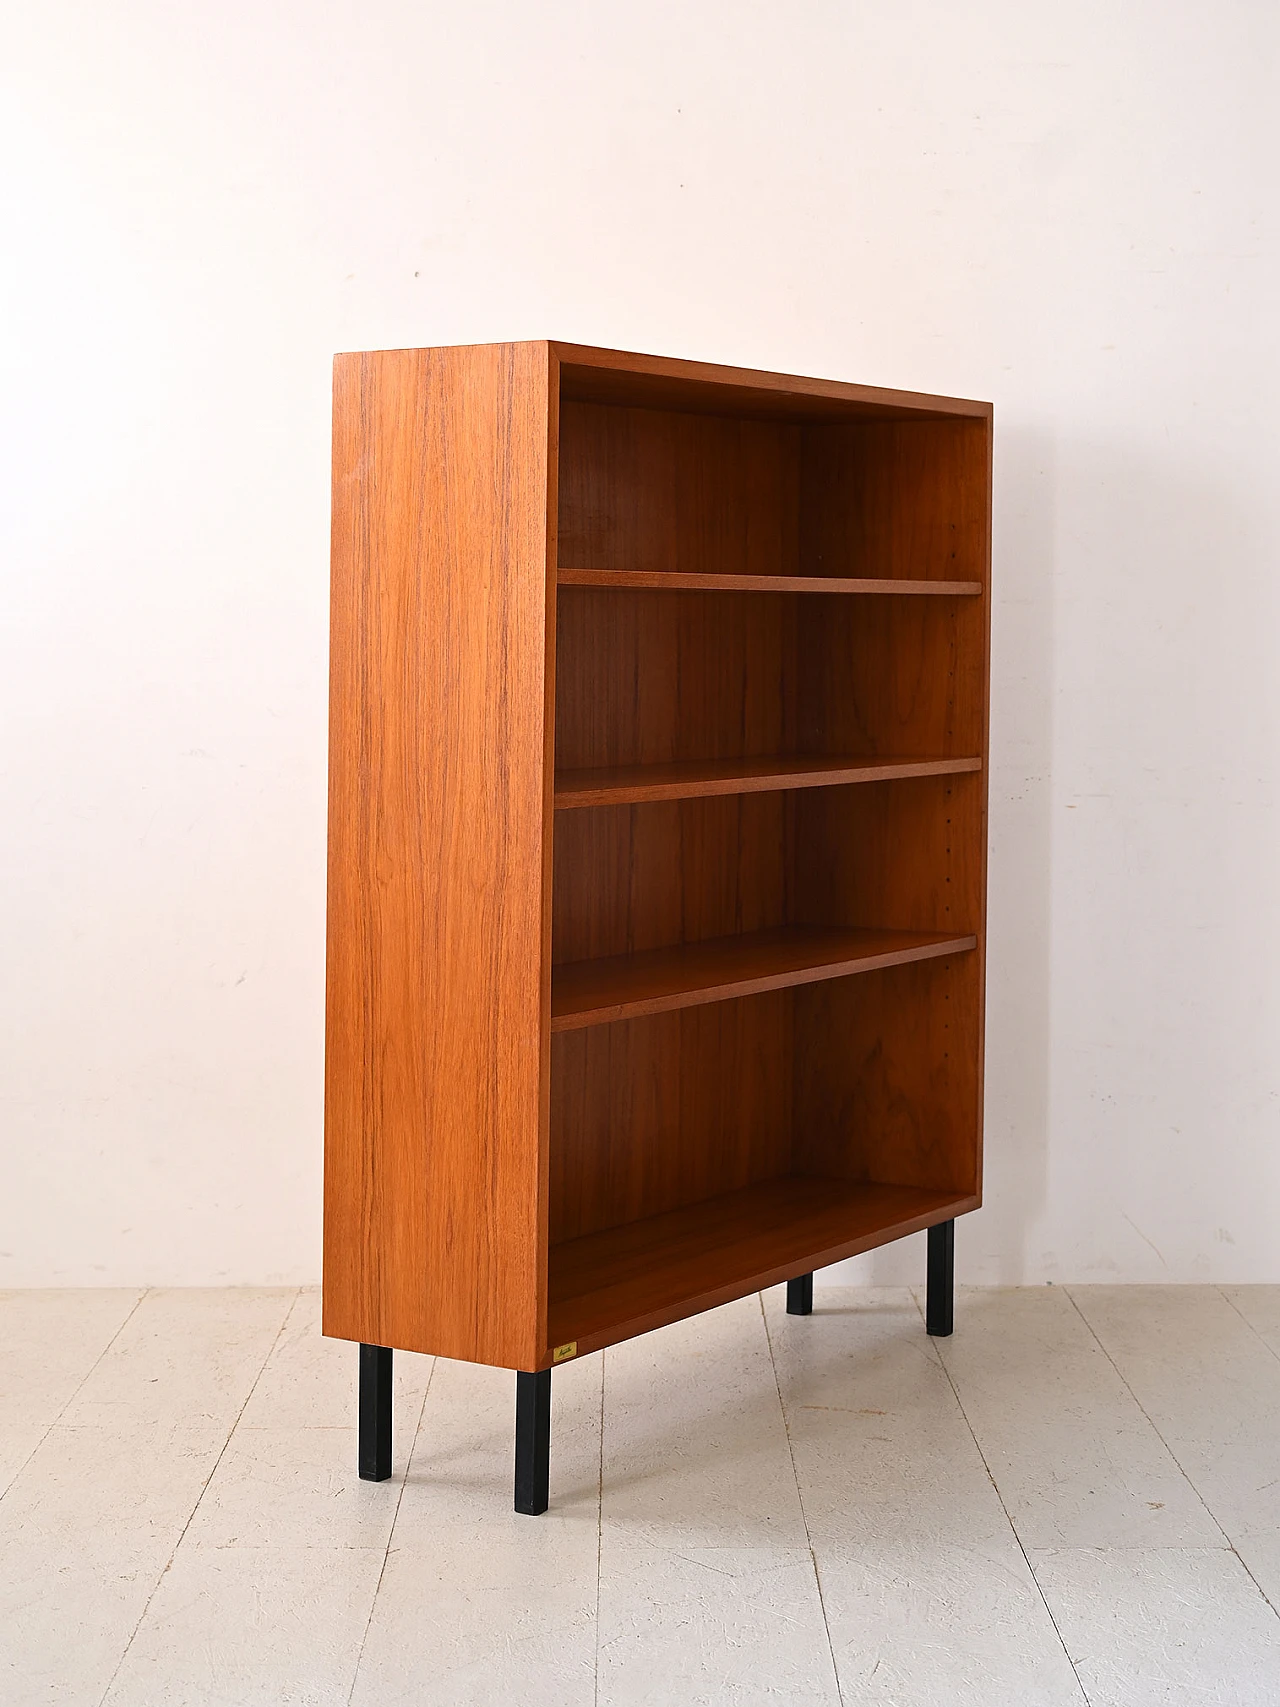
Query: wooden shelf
x,y
605,1287
632,784
627,986
649,580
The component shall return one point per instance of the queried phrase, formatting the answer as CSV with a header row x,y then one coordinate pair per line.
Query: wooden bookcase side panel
x,y
980,998
437,988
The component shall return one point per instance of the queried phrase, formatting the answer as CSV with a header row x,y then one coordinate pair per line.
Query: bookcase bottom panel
x,y
609,1286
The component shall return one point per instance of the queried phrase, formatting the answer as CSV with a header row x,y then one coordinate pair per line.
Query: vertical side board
x,y
988,496
438,978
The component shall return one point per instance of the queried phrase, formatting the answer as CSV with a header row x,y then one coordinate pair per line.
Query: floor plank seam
x,y
1212,1515
1248,1324
391,1534
804,1516
72,1397
204,1488
1013,1528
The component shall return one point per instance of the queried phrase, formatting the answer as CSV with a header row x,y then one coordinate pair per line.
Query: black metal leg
x,y
533,1440
375,1413
941,1278
800,1295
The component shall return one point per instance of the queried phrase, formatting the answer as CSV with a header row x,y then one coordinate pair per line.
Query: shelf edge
x,y
734,989
677,581
783,780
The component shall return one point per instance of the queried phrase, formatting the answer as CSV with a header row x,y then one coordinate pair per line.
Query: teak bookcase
x,y
656,848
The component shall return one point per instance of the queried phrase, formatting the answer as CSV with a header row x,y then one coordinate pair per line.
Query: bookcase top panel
x,y
589,375
625,377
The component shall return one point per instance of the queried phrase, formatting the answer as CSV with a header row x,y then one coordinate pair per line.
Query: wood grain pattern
x,y
668,1110
644,489
435,1210
634,784
906,851
598,992
609,1286
905,495
891,677
885,1076
635,878
649,679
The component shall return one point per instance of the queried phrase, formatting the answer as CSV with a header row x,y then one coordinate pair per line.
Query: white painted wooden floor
x,y
1076,1499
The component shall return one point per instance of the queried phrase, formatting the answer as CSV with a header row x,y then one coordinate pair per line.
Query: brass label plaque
x,y
562,1352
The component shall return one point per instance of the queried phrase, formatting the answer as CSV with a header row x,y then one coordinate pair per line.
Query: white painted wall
x,y
1071,210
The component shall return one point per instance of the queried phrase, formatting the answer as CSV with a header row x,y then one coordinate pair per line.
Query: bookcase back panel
x,y
630,878
887,1076
872,1079
903,499
653,1114
901,855
891,677
904,855
649,678
655,678
660,490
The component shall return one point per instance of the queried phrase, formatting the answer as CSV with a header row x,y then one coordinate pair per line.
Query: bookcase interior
x,y
678,491
767,855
